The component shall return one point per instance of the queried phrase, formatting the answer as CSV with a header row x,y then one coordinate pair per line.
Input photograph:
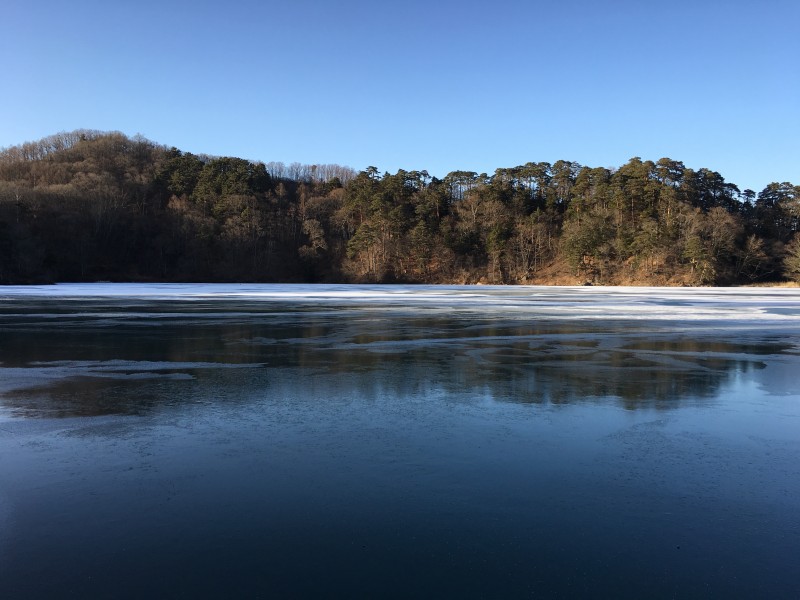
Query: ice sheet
x,y
765,305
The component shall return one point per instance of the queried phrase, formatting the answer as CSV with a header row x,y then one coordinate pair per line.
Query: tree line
x,y
89,205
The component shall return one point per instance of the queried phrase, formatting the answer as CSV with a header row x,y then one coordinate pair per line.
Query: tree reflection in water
x,y
118,364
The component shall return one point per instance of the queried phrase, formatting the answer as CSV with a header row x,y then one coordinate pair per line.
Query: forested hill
x,y
87,206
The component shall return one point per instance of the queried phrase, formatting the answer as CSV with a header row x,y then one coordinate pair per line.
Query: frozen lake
x,y
398,441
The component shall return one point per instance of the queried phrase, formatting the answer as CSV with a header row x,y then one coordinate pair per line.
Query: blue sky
x,y
418,85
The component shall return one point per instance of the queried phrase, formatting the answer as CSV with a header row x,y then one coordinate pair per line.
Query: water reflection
x,y
102,361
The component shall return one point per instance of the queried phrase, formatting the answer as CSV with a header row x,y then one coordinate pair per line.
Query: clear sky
x,y
436,85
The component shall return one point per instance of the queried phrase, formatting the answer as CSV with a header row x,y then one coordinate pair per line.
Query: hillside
x,y
87,205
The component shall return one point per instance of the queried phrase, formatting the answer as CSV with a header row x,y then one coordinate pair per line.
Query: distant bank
x,y
88,206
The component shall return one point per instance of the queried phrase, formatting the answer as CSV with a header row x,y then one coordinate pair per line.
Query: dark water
x,y
283,441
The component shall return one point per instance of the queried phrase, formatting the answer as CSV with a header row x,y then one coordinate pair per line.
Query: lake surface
x,y
208,441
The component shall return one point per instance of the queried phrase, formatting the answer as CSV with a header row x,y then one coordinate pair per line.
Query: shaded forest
x,y
89,206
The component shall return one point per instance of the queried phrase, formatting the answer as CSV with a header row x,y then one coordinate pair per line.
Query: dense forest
x,y
88,206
